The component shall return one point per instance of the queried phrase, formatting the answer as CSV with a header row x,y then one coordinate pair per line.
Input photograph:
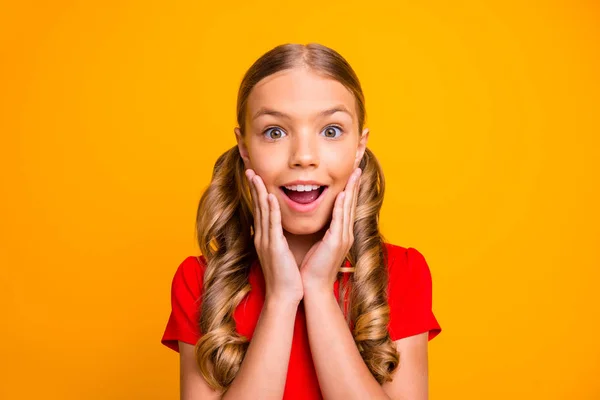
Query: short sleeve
x,y
186,290
410,295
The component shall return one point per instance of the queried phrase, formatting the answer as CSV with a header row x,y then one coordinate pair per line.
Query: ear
x,y
242,147
362,146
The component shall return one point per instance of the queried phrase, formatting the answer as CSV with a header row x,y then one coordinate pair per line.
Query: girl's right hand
x,y
282,276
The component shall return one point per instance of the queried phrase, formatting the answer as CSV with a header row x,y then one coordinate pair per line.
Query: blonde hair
x,y
224,222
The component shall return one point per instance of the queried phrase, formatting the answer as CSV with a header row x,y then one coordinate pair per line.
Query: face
x,y
302,139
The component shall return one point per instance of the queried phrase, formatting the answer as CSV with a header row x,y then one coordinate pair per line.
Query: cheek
x,y
340,165
267,163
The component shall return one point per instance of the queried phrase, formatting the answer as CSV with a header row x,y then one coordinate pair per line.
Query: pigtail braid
x,y
223,223
369,309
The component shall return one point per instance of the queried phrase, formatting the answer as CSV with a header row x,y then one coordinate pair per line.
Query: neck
x,y
300,244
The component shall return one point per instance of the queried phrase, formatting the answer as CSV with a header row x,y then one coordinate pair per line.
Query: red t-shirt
x,y
409,297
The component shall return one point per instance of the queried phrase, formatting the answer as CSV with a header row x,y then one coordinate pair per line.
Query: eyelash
x,y
324,129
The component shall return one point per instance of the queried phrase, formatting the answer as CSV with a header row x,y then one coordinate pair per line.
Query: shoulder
x,y
409,293
408,271
401,259
186,298
189,275
191,267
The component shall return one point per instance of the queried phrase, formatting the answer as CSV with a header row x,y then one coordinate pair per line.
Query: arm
x,y
263,371
340,368
411,377
192,385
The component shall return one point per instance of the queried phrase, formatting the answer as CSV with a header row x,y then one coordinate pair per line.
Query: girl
x,y
296,295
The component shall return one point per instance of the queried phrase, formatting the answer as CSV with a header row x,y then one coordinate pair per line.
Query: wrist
x,y
316,287
280,303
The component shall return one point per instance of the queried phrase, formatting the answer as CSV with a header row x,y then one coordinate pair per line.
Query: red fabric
x,y
409,297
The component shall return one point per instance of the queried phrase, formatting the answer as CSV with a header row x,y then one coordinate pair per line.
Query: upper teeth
x,y
302,188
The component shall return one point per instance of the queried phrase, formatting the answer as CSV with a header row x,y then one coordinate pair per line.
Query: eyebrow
x,y
275,113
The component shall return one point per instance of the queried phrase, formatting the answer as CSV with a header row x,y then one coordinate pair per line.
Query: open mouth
x,y
303,194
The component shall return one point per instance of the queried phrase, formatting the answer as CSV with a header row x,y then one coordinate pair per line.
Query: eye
x,y
332,132
274,133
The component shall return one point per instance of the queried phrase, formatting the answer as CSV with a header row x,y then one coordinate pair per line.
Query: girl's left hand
x,y
320,266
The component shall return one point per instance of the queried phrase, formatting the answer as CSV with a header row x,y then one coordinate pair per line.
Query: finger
x,y
275,228
257,218
250,174
348,206
335,228
264,208
355,202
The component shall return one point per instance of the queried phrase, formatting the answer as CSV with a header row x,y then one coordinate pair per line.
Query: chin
x,y
305,226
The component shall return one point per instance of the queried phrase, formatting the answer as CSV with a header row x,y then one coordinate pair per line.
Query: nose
x,y
304,151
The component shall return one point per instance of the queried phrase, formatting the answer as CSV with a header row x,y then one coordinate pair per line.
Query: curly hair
x,y
224,231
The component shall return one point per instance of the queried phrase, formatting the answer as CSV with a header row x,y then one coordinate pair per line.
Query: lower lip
x,y
304,208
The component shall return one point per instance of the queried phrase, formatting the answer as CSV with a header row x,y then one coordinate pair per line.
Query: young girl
x,y
296,295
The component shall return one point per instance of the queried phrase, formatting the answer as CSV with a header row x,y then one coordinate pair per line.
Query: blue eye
x,y
330,132
276,133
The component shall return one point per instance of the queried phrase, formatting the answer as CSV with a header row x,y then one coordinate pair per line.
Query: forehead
x,y
300,93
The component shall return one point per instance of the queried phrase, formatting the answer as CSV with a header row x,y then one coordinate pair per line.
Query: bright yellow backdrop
x,y
484,116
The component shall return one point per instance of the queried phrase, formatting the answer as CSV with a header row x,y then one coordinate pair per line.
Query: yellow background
x,y
484,116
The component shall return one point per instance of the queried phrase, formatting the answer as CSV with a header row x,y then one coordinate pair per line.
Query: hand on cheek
x,y
282,279
321,264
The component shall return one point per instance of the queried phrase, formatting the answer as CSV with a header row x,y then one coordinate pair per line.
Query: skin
x,y
300,253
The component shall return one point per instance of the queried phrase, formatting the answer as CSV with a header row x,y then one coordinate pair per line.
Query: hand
x,y
320,266
282,277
